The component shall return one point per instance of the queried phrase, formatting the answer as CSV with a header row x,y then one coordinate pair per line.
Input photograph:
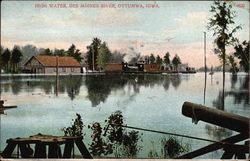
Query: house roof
x,y
62,61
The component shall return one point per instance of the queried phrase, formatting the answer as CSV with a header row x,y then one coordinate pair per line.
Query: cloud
x,y
105,17
168,31
193,20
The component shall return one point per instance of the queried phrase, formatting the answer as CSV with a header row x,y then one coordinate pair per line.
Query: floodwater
x,y
146,101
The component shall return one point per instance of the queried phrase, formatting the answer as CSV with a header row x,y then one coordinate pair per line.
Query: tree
x,y
93,51
158,60
234,69
6,58
103,56
151,59
59,52
28,51
220,23
16,58
166,59
47,52
176,62
1,61
75,53
242,53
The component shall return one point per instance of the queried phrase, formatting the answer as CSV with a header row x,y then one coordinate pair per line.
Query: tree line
x,y
176,61
9,59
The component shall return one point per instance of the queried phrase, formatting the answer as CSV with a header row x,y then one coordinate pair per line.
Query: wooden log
x,y
82,148
216,117
213,147
8,150
40,150
68,149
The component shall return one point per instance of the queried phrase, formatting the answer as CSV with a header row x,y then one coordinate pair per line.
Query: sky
x,y
176,27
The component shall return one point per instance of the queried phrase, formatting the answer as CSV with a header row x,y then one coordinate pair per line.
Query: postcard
x,y
124,80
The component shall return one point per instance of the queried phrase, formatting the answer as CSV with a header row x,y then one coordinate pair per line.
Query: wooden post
x,y
40,150
8,150
68,149
26,151
82,148
54,150
216,117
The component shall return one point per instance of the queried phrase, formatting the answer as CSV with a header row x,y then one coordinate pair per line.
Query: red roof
x,y
62,61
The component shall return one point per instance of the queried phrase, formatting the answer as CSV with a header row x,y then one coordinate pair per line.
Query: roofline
x,y
28,60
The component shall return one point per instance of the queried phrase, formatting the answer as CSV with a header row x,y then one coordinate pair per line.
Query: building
x,y
151,67
48,64
113,67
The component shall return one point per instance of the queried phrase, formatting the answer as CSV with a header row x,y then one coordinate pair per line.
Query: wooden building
x,y
48,64
113,67
151,67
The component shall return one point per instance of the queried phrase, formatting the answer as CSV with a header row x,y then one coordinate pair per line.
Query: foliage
x,y
116,140
220,24
234,69
151,59
1,61
153,153
130,146
115,131
75,53
93,50
46,52
59,52
176,61
158,60
103,56
76,128
5,57
98,145
166,59
242,53
172,147
16,57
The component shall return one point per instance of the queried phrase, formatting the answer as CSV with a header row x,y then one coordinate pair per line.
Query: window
x,y
64,69
72,69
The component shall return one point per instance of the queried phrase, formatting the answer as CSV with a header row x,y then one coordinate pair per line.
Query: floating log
x,y
217,117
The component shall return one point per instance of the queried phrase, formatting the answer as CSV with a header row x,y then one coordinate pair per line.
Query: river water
x,y
146,101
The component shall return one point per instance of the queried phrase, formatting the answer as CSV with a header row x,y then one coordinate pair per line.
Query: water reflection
x,y
98,87
218,133
239,95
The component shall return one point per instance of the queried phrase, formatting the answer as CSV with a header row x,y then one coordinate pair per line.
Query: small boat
x,y
2,107
211,73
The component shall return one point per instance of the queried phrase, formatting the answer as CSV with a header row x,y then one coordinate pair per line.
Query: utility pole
x,y
205,63
205,59
57,76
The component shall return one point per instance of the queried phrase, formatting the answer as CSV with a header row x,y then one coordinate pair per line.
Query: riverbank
x,y
101,73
